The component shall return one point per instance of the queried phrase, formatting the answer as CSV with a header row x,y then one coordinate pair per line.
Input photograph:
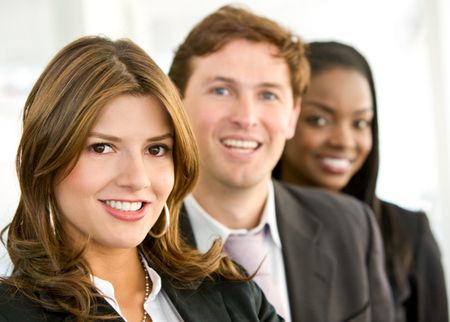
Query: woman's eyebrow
x,y
321,106
112,138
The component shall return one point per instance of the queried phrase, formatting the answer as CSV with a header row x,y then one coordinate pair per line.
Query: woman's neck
x,y
125,271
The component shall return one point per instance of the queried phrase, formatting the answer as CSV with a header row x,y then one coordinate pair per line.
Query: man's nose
x,y
244,112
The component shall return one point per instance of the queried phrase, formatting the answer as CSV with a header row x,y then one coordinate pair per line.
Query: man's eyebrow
x,y
230,80
113,138
220,79
272,85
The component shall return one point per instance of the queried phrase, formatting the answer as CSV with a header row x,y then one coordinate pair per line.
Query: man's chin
x,y
245,180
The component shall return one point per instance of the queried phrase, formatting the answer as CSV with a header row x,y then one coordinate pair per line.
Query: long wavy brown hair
x,y
58,115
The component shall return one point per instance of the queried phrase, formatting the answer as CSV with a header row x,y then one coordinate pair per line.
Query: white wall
x,y
406,42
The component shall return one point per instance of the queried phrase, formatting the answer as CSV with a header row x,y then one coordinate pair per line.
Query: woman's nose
x,y
342,136
133,173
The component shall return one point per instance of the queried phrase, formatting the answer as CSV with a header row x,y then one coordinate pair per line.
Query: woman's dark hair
x,y
324,56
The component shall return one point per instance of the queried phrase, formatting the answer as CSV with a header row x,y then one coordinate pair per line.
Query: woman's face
x,y
125,173
333,136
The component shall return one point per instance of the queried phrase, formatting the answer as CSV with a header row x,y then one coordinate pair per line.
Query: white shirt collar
x,y
107,289
207,229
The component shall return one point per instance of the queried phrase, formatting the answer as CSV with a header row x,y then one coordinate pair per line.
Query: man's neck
x,y
236,208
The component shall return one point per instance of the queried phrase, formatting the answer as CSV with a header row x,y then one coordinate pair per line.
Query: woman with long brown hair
x,y
105,159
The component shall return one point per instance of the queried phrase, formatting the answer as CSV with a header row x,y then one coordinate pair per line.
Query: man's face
x,y
241,106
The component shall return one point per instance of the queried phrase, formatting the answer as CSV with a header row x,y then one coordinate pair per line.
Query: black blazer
x,y
332,254
425,300
212,301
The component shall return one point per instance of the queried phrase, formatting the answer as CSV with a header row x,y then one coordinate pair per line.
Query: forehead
x,y
341,84
243,61
133,114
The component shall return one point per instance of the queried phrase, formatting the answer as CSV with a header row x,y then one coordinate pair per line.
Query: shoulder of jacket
x,y
325,203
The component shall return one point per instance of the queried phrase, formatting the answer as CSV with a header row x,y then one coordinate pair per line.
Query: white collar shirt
x,y
207,229
158,305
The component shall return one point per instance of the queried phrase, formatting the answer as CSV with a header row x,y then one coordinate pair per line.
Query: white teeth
x,y
240,144
124,205
337,163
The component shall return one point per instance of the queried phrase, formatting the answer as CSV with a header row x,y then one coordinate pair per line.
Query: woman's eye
x,y
221,91
101,148
158,150
317,121
362,124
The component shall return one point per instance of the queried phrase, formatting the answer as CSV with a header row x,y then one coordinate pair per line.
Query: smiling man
x,y
241,77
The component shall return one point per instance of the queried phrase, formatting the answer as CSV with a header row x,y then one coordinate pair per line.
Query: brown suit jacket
x,y
332,255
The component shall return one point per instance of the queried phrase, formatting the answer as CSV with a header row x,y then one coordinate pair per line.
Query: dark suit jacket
x,y
213,301
332,255
426,299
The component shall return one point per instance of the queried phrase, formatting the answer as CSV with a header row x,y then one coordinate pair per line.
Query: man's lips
x,y
241,145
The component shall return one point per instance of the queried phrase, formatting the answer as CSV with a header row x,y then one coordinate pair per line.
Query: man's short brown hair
x,y
230,23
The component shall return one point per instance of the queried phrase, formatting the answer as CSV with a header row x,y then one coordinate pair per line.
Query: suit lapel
x,y
308,268
187,234
195,305
198,304
103,308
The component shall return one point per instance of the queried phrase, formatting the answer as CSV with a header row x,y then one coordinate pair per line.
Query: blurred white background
x,y
407,43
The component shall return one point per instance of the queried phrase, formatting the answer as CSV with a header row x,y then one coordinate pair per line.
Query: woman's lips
x,y
125,210
335,165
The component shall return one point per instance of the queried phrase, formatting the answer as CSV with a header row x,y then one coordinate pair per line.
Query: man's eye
x,y
221,91
101,148
269,96
158,150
